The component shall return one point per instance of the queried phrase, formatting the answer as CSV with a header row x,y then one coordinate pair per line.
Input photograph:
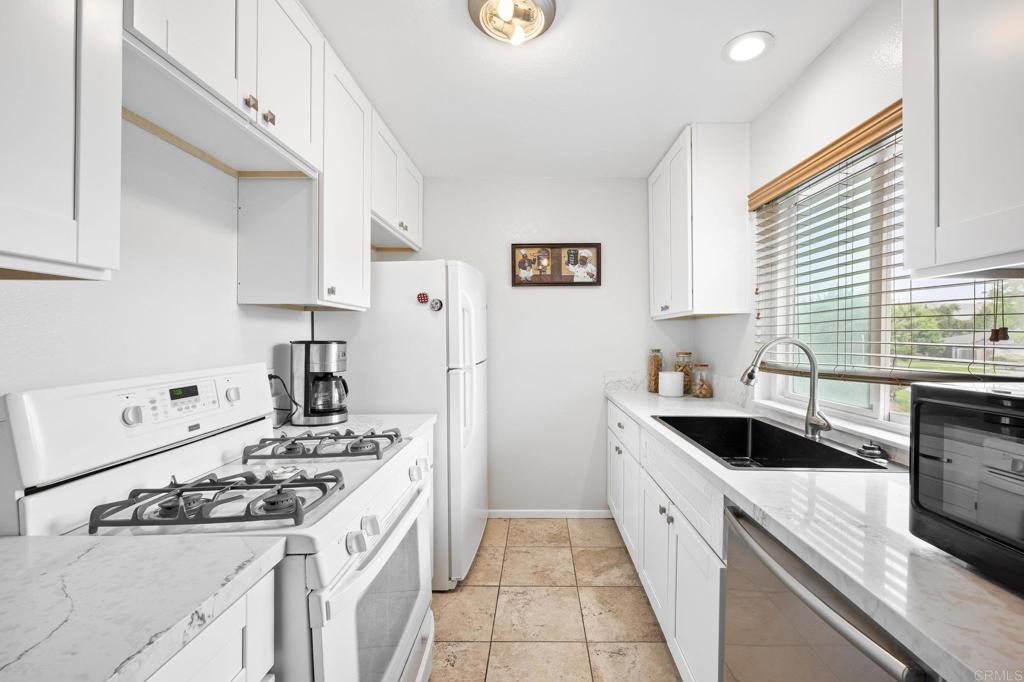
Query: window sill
x,y
845,431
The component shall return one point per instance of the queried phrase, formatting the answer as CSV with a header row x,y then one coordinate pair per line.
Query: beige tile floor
x,y
549,600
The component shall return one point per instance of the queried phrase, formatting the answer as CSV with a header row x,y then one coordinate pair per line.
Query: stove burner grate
x,y
194,503
324,445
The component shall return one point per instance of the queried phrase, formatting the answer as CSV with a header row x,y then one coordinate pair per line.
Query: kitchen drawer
x,y
697,499
624,428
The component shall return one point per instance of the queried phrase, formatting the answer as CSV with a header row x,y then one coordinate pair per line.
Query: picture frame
x,y
556,264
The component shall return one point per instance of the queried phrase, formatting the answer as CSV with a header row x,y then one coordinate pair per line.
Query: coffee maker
x,y
318,387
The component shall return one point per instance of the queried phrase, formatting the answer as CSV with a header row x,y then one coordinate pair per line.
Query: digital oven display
x,y
184,392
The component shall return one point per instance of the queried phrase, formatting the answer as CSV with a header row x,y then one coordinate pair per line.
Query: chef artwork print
x,y
549,265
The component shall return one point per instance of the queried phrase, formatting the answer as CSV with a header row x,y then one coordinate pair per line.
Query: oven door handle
x,y
329,601
880,656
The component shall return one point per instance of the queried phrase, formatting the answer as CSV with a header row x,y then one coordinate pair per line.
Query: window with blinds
x,y
829,259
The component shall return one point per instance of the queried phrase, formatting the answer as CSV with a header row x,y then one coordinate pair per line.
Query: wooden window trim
x,y
867,133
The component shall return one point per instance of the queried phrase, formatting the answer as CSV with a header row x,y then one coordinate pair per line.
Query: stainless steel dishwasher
x,y
784,622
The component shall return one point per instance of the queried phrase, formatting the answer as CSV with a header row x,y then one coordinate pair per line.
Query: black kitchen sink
x,y
746,443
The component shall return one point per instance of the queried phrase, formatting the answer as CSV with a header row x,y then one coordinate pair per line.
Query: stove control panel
x,y
153,405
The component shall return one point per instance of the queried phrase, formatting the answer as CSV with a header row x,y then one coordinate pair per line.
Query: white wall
x,y
170,307
549,347
857,76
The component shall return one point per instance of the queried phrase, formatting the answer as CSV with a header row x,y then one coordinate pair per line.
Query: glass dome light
x,y
512,21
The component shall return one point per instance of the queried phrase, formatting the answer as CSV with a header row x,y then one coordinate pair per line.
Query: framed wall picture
x,y
556,265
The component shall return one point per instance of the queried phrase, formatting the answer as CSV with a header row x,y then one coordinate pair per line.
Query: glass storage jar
x,y
654,362
684,364
702,381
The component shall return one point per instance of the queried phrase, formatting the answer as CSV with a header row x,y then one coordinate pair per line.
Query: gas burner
x,y
264,499
170,507
282,473
331,444
283,501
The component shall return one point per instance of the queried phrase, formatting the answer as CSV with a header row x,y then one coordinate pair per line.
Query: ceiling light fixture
x,y
512,21
748,46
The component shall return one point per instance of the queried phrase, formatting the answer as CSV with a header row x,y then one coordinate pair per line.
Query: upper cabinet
x,y
397,193
700,238
283,71
238,83
962,110
306,243
60,180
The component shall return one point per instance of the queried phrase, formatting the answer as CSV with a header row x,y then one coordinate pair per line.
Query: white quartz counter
x,y
411,425
853,528
116,608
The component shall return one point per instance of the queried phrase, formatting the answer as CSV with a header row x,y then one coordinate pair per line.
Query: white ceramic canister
x,y
670,384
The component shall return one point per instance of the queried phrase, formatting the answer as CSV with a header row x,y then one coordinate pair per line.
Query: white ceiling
x,y
602,94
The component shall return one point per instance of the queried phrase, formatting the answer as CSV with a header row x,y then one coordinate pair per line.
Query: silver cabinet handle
x,y
619,424
883,658
269,117
664,308
670,519
403,226
618,449
661,509
251,102
331,291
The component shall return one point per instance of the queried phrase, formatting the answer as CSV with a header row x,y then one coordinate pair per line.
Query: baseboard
x,y
550,514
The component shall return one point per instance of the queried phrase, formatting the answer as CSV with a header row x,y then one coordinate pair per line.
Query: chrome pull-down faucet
x,y
815,422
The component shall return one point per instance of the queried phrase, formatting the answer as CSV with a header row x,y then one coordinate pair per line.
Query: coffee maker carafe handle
x,y
345,386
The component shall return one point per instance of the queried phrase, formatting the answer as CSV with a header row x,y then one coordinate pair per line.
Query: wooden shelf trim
x,y
867,133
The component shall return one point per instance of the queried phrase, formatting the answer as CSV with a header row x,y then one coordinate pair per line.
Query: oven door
x,y
367,623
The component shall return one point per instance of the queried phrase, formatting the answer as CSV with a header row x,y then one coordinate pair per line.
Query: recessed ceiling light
x,y
512,21
748,46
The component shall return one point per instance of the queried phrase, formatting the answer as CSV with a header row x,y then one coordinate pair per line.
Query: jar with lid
x,y
684,364
654,363
702,381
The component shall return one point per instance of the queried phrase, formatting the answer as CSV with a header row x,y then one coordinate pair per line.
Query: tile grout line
x,y
497,596
579,600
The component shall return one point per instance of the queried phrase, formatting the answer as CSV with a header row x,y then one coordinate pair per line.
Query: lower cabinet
x,y
616,459
237,647
698,597
655,550
630,523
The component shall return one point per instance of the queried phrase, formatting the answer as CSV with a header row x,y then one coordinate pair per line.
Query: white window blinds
x,y
830,272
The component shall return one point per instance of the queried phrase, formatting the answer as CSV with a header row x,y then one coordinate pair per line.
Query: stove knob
x,y
233,394
415,473
370,525
132,416
423,464
355,542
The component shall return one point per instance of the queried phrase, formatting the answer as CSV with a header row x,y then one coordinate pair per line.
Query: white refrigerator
x,y
405,356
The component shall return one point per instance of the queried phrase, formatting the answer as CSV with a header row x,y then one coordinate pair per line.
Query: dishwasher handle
x,y
879,655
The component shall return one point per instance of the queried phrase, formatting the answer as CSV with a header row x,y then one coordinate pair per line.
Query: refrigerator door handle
x,y
880,656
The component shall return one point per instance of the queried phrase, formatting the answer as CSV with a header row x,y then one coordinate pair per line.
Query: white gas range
x,y
197,453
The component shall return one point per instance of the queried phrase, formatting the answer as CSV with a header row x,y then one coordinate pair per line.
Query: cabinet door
x,y
345,189
289,86
658,200
630,503
410,199
698,599
615,463
680,270
60,180
655,554
386,163
199,35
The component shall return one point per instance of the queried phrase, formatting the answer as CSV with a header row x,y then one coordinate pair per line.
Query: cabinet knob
x,y
669,519
619,424
269,117
331,291
661,509
251,102
664,308
618,449
403,226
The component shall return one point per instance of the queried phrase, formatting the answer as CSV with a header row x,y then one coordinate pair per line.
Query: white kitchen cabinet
x,y
616,463
236,647
306,243
280,67
698,606
656,549
630,525
60,180
699,233
397,197
962,110
196,35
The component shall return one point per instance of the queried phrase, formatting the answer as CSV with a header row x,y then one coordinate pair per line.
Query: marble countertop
x,y
411,425
116,608
853,529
